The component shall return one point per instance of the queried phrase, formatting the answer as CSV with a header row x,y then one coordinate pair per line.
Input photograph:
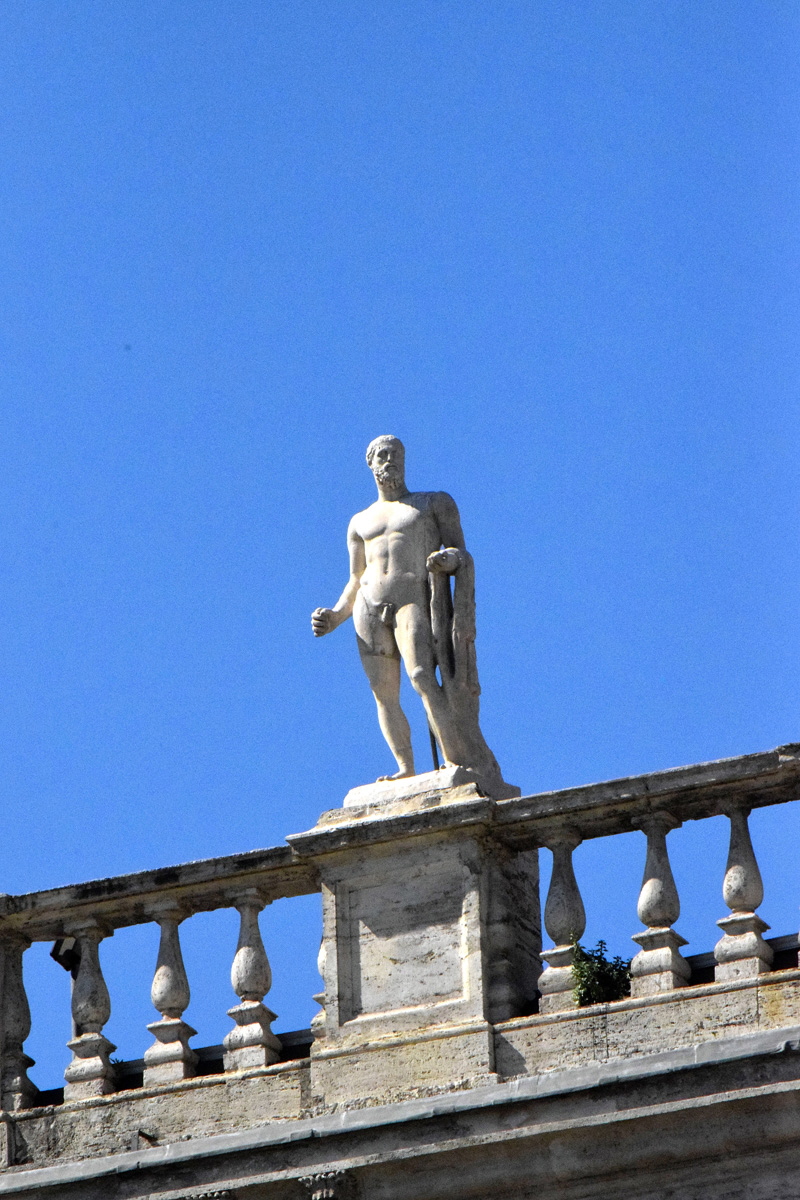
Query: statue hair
x,y
383,440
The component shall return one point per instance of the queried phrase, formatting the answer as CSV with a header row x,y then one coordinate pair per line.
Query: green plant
x,y
598,979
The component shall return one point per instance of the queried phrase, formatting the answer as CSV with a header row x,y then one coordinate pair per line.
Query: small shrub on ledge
x,y
598,979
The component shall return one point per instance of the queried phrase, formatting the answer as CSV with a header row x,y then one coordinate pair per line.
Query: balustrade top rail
x,y
689,793
128,899
594,810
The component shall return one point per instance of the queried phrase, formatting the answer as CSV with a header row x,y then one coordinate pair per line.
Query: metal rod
x,y
434,749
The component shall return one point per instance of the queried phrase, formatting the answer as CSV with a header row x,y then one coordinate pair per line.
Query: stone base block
x,y
742,951
742,968
252,1043
391,1069
659,966
556,982
17,1090
90,1073
426,788
170,1058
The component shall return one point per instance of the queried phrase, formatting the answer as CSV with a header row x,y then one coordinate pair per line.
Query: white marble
x,y
431,786
404,551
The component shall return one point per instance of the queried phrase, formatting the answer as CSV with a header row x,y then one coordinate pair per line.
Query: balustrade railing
x,y
657,804
81,917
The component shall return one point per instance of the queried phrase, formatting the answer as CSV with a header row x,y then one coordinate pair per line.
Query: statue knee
x,y
423,680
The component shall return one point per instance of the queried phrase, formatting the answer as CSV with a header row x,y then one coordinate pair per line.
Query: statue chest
x,y
399,522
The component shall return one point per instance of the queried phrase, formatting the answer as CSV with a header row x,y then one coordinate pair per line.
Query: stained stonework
x,y
431,1073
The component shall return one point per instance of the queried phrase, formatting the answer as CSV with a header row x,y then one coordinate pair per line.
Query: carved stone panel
x,y
402,943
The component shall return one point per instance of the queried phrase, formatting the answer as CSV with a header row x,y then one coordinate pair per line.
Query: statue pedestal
x,y
430,936
428,788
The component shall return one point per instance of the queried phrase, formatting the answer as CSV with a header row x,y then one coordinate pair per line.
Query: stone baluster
x,y
319,1020
741,951
251,1043
565,921
90,1073
659,966
17,1090
170,1058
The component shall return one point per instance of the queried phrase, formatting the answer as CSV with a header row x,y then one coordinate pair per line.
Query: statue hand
x,y
444,562
323,620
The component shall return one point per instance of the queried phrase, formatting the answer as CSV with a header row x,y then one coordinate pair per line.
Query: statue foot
x,y
408,774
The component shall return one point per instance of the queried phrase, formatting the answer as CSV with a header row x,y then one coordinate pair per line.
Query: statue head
x,y
386,457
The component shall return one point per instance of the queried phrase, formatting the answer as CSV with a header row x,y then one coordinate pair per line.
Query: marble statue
x,y
404,551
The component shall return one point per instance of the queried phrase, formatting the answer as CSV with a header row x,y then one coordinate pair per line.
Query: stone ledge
x,y
730,1050
381,827
698,991
390,1041
165,1089
697,791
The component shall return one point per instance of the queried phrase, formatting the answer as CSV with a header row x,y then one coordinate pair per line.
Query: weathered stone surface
x,y
429,787
430,1075
646,1025
626,1128
403,551
162,1116
404,935
441,1059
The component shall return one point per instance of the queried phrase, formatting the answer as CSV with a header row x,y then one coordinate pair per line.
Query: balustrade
x,y
17,1090
564,920
91,1072
248,883
742,951
659,965
170,1058
251,1043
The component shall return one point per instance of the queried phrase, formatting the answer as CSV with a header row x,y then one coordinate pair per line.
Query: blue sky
x,y
554,247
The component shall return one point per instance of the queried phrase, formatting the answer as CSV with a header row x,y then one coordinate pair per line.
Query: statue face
x,y
388,463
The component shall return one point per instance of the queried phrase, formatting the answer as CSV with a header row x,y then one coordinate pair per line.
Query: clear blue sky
x,y
554,247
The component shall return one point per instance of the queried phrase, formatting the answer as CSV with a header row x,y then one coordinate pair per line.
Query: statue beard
x,y
390,478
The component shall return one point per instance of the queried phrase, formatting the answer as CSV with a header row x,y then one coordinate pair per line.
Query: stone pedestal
x,y
742,951
251,1043
430,933
170,1058
556,982
429,787
659,966
91,1072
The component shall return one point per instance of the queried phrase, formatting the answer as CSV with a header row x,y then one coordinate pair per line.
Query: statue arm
x,y
323,620
449,521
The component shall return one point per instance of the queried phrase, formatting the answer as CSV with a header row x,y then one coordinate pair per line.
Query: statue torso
x,y
398,536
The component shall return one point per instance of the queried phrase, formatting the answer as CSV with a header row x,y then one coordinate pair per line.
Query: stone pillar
x,y
659,966
565,921
742,951
170,1058
251,1043
90,1073
15,1021
430,936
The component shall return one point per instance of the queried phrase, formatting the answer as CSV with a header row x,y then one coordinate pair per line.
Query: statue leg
x,y
383,673
415,641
